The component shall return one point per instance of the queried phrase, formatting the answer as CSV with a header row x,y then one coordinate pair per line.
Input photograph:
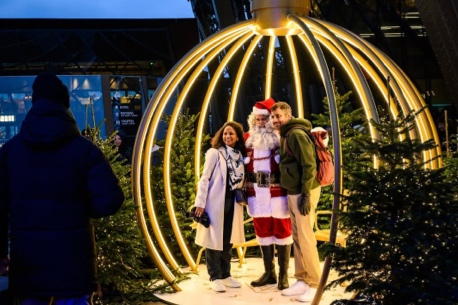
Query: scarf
x,y
235,168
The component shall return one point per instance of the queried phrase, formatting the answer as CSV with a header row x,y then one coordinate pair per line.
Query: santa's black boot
x,y
283,253
269,276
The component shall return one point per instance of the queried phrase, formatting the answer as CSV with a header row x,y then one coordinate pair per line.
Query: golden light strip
x,y
408,100
366,101
148,150
162,95
139,158
379,65
177,110
269,66
345,57
296,76
415,104
322,67
213,83
423,120
168,142
240,73
408,96
430,131
324,35
203,117
368,105
403,95
413,99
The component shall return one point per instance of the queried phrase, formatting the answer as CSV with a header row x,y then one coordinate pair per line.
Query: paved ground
x,y
4,285
196,290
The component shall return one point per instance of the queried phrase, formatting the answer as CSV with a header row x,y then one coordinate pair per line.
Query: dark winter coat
x,y
297,172
52,182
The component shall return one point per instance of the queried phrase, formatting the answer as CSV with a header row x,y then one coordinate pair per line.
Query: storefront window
x,y
117,106
128,103
86,102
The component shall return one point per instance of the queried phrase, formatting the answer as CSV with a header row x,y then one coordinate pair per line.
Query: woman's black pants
x,y
219,262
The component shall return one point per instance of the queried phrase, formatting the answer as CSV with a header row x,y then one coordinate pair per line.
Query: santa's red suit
x,y
267,201
267,205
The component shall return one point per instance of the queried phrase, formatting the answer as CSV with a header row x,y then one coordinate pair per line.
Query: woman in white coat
x,y
223,173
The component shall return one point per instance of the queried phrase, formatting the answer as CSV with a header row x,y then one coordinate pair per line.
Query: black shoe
x,y
266,278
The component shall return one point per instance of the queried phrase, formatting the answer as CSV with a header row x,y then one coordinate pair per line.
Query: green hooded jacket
x,y
298,171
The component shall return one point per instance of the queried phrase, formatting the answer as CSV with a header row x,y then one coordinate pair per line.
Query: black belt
x,y
274,178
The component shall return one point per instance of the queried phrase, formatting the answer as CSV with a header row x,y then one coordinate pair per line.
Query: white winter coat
x,y
211,196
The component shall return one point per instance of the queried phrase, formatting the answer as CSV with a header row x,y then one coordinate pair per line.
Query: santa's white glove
x,y
247,160
277,159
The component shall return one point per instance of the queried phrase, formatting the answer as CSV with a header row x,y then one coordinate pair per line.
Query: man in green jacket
x,y
297,176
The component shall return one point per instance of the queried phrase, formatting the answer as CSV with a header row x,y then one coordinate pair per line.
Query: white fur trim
x,y
259,206
259,111
279,207
263,205
261,165
266,241
284,241
318,129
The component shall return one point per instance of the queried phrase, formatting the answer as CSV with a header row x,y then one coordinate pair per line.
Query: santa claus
x,y
267,201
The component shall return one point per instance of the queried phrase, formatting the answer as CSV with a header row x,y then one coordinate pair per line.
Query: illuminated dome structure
x,y
286,36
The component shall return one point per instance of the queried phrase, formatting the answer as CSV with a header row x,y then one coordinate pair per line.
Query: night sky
x,y
95,9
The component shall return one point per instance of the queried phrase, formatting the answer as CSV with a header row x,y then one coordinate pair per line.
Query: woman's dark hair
x,y
124,151
121,134
217,140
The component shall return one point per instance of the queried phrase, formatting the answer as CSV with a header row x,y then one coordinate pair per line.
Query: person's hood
x,y
294,122
48,124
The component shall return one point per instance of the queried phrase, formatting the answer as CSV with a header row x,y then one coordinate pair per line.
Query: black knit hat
x,y
49,86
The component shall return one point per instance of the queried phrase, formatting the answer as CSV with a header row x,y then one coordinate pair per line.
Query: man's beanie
x,y
49,86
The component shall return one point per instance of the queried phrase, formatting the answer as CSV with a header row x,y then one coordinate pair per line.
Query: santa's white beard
x,y
262,138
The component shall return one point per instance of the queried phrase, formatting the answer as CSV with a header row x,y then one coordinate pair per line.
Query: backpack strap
x,y
288,149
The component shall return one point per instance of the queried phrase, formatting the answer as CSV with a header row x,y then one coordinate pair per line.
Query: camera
x,y
203,219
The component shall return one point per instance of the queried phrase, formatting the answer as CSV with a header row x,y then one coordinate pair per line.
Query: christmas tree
x,y
401,220
352,125
183,182
125,272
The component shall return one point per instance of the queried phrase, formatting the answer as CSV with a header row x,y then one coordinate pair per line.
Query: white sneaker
x,y
217,285
308,296
231,282
300,287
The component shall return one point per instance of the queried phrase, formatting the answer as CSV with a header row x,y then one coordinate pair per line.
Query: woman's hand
x,y
199,211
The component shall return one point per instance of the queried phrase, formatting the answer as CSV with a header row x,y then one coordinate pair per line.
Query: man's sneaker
x,y
300,287
231,282
217,285
308,296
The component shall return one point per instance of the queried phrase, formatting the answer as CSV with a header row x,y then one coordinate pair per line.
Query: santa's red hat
x,y
263,107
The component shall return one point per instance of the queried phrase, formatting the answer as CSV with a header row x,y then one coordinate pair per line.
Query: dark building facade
x,y
130,57
418,35
111,66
